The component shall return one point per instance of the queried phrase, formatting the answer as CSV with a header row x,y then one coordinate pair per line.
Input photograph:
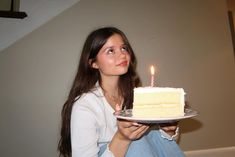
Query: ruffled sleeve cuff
x,y
167,136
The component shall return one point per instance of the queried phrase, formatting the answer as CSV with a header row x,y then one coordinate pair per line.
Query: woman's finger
x,y
118,107
138,132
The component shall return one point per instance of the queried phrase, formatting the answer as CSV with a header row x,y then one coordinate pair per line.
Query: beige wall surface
x,y
187,40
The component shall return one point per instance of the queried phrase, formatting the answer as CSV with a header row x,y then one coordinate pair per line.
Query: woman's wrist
x,y
119,136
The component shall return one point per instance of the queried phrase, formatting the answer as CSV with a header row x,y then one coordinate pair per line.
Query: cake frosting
x,y
159,102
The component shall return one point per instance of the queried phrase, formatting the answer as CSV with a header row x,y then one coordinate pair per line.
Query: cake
x,y
158,102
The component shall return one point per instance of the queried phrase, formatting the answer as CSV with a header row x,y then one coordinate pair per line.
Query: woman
x,y
104,83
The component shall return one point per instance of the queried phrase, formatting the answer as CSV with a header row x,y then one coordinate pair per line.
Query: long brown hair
x,y
87,76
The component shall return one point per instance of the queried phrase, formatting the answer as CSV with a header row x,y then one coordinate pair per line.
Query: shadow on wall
x,y
190,125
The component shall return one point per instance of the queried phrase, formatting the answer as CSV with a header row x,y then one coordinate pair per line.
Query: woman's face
x,y
113,58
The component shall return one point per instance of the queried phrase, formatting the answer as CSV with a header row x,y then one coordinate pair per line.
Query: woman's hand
x,y
126,133
129,130
169,128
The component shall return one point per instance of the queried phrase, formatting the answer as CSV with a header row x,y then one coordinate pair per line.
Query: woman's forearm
x,y
119,145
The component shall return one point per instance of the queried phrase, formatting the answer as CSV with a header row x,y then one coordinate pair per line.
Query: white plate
x,y
127,115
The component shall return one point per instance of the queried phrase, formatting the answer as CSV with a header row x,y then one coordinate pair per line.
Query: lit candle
x,y
152,71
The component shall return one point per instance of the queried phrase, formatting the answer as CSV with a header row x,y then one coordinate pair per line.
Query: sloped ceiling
x,y
38,11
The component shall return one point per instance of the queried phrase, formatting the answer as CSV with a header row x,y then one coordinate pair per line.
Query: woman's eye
x,y
124,49
110,51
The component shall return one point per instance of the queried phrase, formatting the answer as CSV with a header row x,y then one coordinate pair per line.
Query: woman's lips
x,y
124,63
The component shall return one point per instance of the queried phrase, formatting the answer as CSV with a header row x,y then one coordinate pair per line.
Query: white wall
x,y
188,41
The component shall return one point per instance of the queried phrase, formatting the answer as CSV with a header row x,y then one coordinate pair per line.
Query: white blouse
x,y
92,125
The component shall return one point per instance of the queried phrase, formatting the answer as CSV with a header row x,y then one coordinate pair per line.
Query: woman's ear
x,y
93,64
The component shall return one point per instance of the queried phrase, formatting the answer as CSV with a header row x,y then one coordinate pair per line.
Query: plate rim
x,y
189,113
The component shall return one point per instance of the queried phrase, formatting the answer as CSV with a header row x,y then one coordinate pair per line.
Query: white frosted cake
x,y
157,102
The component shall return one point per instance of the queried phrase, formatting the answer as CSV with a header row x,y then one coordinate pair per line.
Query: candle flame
x,y
152,70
